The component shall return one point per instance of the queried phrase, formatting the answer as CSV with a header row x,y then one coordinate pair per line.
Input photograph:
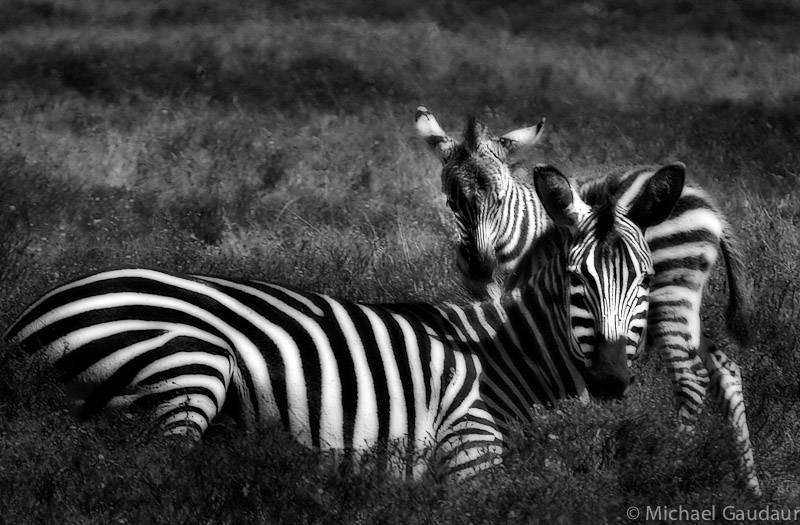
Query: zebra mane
x,y
603,197
606,230
472,133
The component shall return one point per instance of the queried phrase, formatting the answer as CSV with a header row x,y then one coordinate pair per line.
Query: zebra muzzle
x,y
609,376
480,264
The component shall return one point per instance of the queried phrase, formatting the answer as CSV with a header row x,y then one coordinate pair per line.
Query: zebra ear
x,y
520,138
658,196
434,135
560,200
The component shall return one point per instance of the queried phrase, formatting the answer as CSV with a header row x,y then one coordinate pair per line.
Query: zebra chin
x,y
609,376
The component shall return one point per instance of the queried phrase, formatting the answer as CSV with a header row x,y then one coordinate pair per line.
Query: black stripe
x,y
513,363
688,203
188,369
482,445
540,307
76,360
682,263
281,295
121,379
51,332
419,316
85,357
151,401
376,368
106,286
544,387
189,423
401,356
523,224
664,303
342,354
449,371
581,322
272,353
683,237
181,409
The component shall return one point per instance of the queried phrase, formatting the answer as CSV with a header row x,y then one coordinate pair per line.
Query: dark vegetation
x,y
275,141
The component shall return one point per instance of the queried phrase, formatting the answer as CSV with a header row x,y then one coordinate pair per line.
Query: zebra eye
x,y
452,205
575,279
574,273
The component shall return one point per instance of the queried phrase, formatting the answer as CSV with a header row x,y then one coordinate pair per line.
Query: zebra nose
x,y
481,264
609,377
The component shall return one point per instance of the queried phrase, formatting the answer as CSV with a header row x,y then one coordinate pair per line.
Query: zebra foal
x,y
500,219
446,381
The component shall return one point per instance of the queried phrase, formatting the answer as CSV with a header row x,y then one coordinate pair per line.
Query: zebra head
x,y
604,265
476,181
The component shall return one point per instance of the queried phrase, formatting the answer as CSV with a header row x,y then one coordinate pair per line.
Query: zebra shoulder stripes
x,y
499,218
444,380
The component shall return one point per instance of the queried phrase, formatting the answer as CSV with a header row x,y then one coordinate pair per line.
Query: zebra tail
x,y
739,310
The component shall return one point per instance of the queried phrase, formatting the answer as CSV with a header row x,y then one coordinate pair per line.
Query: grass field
x,y
276,141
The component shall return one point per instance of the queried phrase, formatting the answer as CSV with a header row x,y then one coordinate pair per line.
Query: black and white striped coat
x,y
500,219
441,382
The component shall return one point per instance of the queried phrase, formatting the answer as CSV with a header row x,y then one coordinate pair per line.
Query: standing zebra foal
x,y
500,220
442,382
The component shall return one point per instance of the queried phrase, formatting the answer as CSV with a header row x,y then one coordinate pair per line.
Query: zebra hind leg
x,y
672,336
726,390
690,382
184,386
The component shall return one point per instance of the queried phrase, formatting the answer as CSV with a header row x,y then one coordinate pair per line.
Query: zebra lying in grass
x,y
500,219
443,380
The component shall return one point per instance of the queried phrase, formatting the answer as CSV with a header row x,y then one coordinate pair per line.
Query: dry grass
x,y
277,142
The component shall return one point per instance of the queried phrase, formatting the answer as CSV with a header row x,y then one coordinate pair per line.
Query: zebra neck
x,y
522,341
543,250
526,223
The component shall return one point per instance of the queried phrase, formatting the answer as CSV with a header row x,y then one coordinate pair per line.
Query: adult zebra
x,y
341,375
500,218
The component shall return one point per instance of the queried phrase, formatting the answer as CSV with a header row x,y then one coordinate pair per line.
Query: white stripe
x,y
632,193
452,389
424,412
365,429
296,296
398,415
331,417
686,250
697,219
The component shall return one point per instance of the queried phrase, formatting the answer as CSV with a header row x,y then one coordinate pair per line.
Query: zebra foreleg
x,y
674,330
